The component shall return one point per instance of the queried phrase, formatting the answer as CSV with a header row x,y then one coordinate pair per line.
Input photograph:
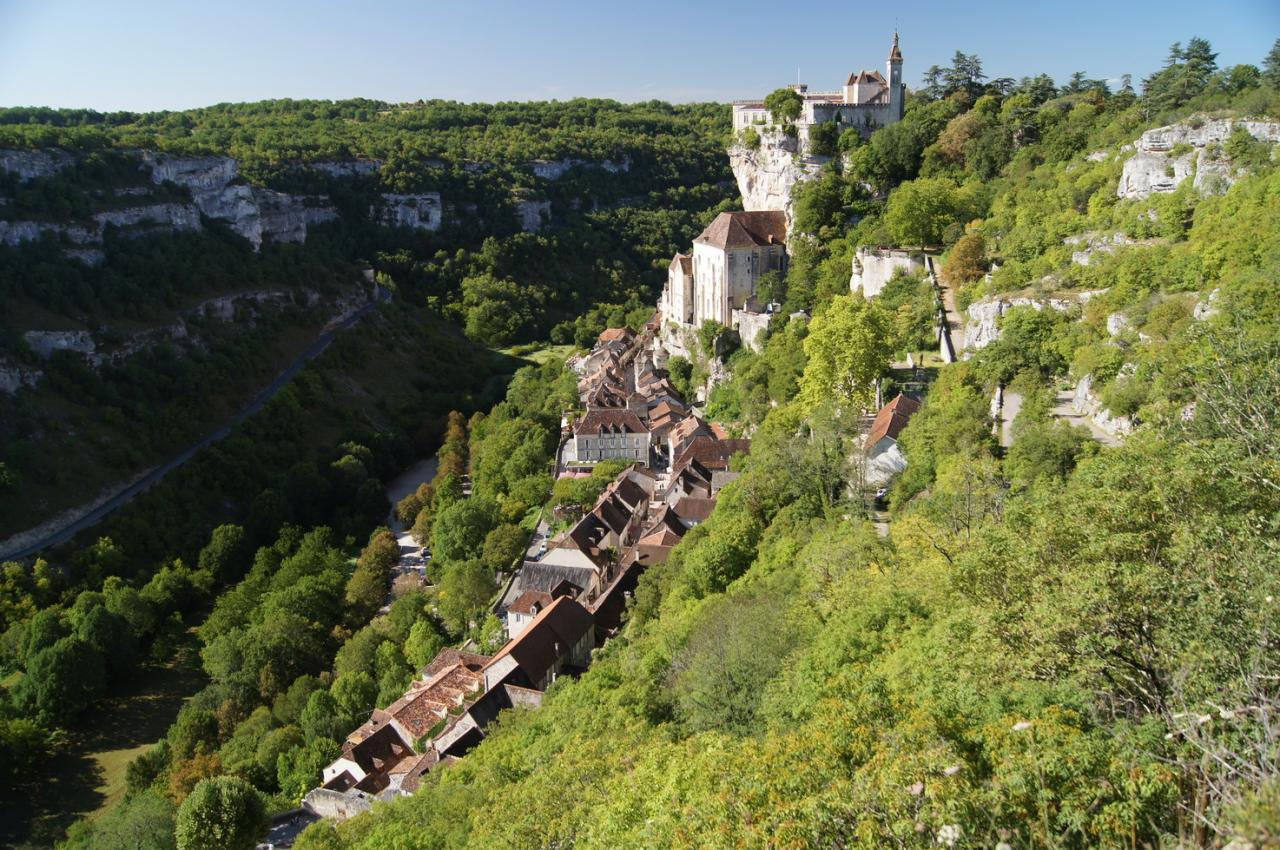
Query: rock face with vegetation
x,y
1207,150
1048,640
767,172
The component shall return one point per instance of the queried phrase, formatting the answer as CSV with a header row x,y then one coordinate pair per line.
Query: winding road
x,y
66,526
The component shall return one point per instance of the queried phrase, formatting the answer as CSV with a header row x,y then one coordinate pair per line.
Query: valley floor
x,y
86,775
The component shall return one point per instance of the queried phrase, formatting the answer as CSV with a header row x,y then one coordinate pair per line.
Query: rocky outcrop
x,y
532,215
1087,404
14,377
767,174
872,269
45,343
254,213
422,211
982,318
1089,244
29,165
554,169
1166,156
130,221
349,168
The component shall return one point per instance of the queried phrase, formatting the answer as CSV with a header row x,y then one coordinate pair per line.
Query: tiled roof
x,y
610,421
684,261
526,601
694,509
891,419
559,626
746,229
711,453
616,335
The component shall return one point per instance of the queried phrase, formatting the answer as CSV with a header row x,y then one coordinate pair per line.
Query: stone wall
x,y
982,318
751,327
335,805
872,269
532,215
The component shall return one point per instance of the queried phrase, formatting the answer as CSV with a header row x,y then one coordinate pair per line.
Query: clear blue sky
x,y
140,55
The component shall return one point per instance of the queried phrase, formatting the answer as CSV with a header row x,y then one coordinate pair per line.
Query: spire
x,y
895,55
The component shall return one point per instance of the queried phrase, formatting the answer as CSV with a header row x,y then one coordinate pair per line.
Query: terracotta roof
x,y
891,419
693,509
446,658
616,334
555,631
610,421
711,453
746,229
526,601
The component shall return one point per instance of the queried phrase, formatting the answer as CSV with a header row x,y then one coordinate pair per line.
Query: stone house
x,y
609,434
884,458
729,258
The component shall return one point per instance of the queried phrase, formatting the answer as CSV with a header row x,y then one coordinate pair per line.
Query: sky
x,y
139,55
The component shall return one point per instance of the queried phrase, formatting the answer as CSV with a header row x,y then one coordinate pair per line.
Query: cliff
x,y
767,174
1166,156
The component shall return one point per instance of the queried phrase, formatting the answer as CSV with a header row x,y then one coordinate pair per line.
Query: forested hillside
x,y
1058,644
152,286
135,322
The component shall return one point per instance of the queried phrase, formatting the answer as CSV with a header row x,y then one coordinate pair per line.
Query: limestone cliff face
x,y
554,169
766,175
532,214
31,164
1154,167
422,211
982,318
254,213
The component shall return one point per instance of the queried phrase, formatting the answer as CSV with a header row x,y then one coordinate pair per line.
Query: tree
x,y
227,554
967,261
920,211
465,588
223,813
298,770
784,105
1271,66
424,642
460,529
366,590
502,546
848,350
61,681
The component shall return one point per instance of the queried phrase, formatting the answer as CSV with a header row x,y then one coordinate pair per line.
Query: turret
x,y
896,89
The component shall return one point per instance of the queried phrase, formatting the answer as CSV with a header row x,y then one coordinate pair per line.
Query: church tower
x,y
896,90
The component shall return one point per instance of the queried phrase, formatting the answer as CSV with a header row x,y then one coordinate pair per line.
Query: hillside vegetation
x,y
1060,645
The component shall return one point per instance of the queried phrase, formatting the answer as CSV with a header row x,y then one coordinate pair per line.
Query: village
x,y
570,594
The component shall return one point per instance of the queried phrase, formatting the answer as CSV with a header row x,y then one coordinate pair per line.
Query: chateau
x,y
867,101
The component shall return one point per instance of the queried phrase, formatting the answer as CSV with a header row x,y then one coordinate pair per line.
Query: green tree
x,y
223,813
460,529
920,211
784,105
62,681
847,350
1271,66
465,588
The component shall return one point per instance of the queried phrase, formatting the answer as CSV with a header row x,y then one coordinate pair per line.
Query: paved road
x,y
1064,408
1012,404
144,483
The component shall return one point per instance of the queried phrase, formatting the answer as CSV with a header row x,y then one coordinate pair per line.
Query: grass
x,y
85,776
541,355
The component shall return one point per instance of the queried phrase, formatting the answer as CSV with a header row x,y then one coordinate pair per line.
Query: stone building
x,y
609,434
728,259
866,102
884,457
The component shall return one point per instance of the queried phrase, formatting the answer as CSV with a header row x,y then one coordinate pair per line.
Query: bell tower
x,y
896,89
